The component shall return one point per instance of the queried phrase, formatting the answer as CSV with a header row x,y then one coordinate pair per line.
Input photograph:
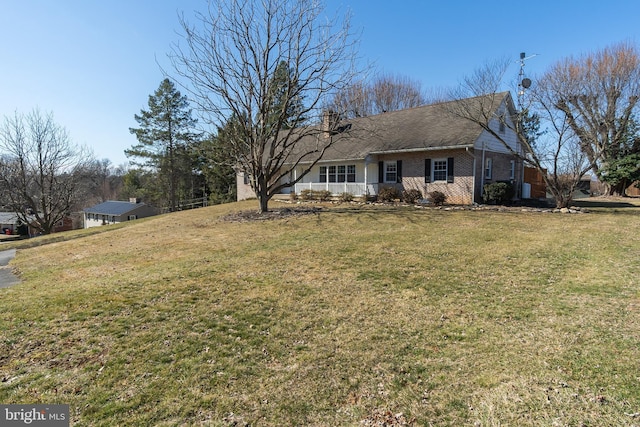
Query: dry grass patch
x,y
337,318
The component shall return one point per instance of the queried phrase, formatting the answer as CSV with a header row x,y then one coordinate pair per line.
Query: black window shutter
x,y
450,169
399,171
380,171
427,170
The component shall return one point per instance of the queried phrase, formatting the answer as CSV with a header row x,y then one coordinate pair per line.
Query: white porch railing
x,y
355,188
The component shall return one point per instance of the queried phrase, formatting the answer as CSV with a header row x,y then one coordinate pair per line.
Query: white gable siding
x,y
488,142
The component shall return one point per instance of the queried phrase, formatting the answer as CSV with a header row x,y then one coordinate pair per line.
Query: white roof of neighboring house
x,y
8,218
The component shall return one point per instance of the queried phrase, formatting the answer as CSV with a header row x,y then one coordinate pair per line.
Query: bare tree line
x,y
387,92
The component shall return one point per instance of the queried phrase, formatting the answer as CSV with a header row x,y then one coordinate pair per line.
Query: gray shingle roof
x,y
112,207
429,127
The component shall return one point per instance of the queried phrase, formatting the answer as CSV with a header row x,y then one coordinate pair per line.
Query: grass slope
x,y
340,318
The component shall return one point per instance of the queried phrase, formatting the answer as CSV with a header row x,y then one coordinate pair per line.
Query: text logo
x,y
34,415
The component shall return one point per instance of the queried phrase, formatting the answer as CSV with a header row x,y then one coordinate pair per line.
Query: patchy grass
x,y
335,318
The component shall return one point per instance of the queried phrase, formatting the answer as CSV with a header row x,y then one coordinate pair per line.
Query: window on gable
x,y
501,126
439,169
390,172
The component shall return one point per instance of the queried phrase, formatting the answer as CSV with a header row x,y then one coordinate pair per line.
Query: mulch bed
x,y
278,213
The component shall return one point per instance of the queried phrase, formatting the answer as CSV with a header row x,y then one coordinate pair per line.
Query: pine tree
x,y
284,96
164,136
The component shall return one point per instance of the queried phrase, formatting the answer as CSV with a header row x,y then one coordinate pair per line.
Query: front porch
x,y
336,188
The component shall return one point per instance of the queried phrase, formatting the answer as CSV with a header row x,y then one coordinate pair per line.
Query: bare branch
x,y
230,59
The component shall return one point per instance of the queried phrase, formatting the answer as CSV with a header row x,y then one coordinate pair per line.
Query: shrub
x,y
388,194
346,197
323,195
306,194
438,198
411,196
498,193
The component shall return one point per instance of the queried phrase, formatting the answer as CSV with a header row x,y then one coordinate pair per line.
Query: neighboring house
x,y
423,148
112,212
65,224
9,223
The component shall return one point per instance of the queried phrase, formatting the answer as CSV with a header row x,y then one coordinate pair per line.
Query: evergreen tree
x,y
529,127
623,166
284,96
165,136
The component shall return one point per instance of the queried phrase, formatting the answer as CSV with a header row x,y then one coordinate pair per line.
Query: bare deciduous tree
x,y
556,156
395,92
40,169
230,60
101,181
353,101
385,93
598,92
559,153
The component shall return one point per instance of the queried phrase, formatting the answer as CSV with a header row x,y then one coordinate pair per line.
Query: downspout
x,y
482,169
473,176
521,176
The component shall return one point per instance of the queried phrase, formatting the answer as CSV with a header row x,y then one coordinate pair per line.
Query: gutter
x,y
417,150
409,150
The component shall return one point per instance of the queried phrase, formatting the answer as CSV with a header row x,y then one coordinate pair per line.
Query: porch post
x,y
366,185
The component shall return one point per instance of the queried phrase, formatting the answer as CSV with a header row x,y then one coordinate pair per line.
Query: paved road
x,y
7,278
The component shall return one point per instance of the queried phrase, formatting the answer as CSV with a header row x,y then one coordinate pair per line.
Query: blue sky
x,y
94,63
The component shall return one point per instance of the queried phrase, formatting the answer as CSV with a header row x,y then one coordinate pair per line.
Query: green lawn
x,y
345,317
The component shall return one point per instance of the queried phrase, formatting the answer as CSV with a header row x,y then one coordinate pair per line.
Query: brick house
x,y
424,148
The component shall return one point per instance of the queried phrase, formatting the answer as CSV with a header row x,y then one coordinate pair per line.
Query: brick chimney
x,y
329,122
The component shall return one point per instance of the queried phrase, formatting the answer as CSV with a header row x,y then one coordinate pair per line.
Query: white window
x,y
339,173
439,170
332,174
390,172
132,217
351,173
512,170
488,165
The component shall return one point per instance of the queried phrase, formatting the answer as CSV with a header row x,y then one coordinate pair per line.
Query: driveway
x,y
7,278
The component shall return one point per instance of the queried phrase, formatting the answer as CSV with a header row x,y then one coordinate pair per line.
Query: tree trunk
x,y
562,198
619,189
264,201
563,202
261,194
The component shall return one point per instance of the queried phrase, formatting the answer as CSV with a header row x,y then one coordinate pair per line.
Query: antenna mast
x,y
523,82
